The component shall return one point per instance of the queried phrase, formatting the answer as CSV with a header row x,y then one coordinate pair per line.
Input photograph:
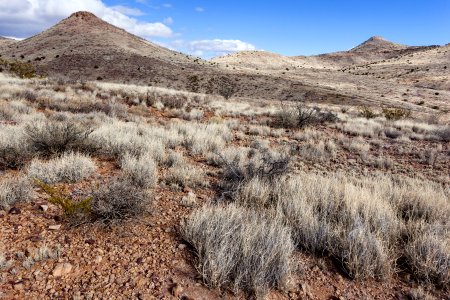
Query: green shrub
x,y
73,210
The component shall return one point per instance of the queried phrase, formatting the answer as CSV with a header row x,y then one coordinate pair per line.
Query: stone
x,y
181,246
18,286
14,211
62,269
54,227
98,259
43,207
176,290
190,200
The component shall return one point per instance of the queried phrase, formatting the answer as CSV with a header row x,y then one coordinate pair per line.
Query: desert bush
x,y
119,200
392,133
443,133
14,189
253,252
203,138
301,116
366,112
174,101
51,137
184,174
264,164
317,152
69,167
141,171
19,68
428,255
118,138
395,113
14,149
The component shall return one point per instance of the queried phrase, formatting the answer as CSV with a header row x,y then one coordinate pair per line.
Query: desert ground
x,y
143,173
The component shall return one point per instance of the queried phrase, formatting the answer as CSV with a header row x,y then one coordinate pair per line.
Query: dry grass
x,y
361,222
141,171
119,200
69,167
14,189
239,249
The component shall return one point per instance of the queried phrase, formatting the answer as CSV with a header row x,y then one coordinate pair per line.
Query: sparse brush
x,y
367,112
50,138
119,200
395,113
14,189
141,171
263,164
184,174
14,149
69,167
428,255
301,116
239,248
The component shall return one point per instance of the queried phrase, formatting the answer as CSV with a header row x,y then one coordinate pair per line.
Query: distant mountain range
x,y
83,46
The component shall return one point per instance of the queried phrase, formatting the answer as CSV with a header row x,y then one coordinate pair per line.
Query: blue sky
x,y
207,28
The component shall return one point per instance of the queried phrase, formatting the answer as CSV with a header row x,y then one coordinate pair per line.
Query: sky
x,y
209,28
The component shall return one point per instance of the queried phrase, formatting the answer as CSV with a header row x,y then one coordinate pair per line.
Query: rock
x,y
18,286
98,259
181,246
54,227
43,207
190,200
14,211
62,269
176,290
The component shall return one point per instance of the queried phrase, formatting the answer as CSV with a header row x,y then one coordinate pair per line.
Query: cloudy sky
x,y
208,28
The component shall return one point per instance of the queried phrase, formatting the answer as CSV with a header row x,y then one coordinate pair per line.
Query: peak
x,y
83,15
377,38
377,43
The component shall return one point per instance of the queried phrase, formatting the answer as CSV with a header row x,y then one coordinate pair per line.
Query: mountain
x,y
377,44
6,41
84,46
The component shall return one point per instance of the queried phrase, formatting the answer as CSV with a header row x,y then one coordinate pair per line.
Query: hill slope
x,y
5,41
84,46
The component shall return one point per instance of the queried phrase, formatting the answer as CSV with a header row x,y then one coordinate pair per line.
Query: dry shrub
x,y
141,171
301,116
367,112
362,222
172,101
14,189
443,133
14,150
119,200
52,137
183,174
69,167
263,164
395,114
428,254
239,249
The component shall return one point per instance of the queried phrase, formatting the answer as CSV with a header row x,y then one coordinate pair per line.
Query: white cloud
x,y
199,9
168,21
167,5
129,11
218,45
209,48
23,18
